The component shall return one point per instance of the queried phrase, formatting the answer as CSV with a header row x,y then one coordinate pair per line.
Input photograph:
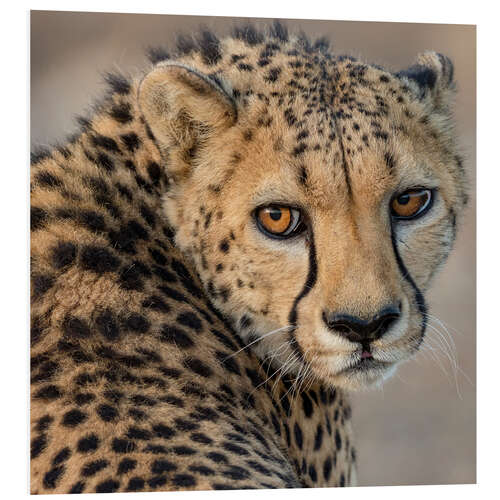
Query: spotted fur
x,y
148,282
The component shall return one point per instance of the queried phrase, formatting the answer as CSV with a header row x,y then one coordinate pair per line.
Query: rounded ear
x,y
433,76
183,108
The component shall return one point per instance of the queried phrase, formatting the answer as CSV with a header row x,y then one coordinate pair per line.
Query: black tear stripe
x,y
419,298
312,276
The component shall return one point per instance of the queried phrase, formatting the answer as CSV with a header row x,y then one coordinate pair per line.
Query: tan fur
x,y
205,154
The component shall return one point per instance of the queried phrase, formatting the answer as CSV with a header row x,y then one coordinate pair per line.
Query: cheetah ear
x,y
183,108
432,76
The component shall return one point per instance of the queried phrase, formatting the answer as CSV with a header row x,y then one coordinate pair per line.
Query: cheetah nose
x,y
356,329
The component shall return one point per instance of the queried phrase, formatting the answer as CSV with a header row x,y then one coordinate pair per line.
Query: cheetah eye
x,y
278,221
411,204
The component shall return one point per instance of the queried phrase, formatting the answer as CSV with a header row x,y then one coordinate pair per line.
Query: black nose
x,y
358,330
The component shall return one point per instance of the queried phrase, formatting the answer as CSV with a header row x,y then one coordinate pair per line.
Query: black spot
x,y
118,83
227,362
161,466
248,34
157,481
279,31
39,155
338,440
46,179
38,217
187,280
122,445
107,413
52,477
137,415
136,322
307,404
163,431
183,480
272,75
38,445
105,142
209,47
77,488
198,367
148,215
199,437
183,450
106,325
204,413
190,320
312,473
48,392
75,327
154,172
258,467
108,486
73,418
46,372
135,484
131,279
138,433
131,141
121,112
234,448
98,259
342,480
62,456
88,443
224,246
83,398
92,468
63,254
44,423
202,470
175,336
104,161
157,54
126,465
298,150
217,457
236,473
142,400
297,431
84,379
318,438
155,303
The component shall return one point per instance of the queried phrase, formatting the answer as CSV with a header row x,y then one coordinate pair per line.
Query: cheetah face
x,y
315,226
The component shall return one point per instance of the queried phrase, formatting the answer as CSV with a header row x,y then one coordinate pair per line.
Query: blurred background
x,y
420,427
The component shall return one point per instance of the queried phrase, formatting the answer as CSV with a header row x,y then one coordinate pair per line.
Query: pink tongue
x,y
366,354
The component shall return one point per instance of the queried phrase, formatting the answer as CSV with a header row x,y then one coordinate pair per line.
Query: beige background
x,y
420,428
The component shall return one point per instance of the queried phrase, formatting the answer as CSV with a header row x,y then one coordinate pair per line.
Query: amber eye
x,y
279,221
411,203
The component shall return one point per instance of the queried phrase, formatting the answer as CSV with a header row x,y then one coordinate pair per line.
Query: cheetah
x,y
231,243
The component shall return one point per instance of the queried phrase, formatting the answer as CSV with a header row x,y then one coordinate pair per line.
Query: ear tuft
x,y
433,75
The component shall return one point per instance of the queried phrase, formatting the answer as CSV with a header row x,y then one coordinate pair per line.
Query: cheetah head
x,y
316,197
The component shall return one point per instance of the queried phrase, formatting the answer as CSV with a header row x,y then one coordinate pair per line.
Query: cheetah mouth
x,y
365,364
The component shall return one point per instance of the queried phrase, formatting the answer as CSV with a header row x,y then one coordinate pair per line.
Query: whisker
x,y
259,339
